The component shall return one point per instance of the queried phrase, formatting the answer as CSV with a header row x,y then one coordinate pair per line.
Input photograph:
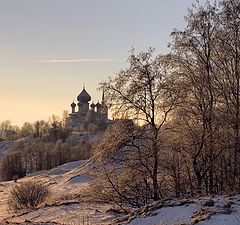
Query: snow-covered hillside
x,y
221,210
64,207
5,146
64,182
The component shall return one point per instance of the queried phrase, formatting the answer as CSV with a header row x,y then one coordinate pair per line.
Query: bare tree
x,y
144,92
123,170
41,127
5,125
26,129
227,63
193,52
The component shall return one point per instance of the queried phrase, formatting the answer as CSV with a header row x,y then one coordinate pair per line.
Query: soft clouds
x,y
75,60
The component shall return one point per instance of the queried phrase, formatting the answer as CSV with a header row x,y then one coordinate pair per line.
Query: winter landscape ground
x,y
66,181
161,147
4,147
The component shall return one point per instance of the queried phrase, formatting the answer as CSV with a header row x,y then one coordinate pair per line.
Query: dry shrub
x,y
27,196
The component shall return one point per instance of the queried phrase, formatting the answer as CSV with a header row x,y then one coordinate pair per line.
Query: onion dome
x,y
84,96
98,104
73,105
92,105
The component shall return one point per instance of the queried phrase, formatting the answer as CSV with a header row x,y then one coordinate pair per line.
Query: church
x,y
84,115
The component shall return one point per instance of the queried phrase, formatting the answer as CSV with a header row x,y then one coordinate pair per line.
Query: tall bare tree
x,y
193,52
144,92
227,63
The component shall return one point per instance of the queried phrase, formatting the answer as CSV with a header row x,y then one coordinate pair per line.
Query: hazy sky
x,y
49,48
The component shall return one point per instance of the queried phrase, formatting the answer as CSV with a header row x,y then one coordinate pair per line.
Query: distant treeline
x,y
37,154
44,145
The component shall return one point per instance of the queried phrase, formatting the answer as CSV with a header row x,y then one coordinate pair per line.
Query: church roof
x,y
73,104
98,104
92,105
84,96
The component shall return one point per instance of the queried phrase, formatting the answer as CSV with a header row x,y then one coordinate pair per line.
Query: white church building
x,y
84,114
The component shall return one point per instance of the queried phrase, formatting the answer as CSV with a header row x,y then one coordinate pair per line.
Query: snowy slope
x,y
222,210
5,146
64,183
63,207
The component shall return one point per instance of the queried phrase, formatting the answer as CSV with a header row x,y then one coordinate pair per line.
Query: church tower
x,y
83,99
104,107
96,114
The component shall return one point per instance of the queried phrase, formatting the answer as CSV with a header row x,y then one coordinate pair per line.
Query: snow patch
x,y
5,146
66,181
66,167
168,215
80,179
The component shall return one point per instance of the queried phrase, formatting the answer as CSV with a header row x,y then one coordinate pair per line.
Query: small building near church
x,y
86,116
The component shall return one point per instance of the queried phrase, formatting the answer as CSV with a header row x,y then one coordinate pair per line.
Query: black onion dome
x,y
92,105
84,96
73,104
98,104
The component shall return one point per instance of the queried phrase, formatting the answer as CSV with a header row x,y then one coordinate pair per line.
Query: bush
x,y
27,196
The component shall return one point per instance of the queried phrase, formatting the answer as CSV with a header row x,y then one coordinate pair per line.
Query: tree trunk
x,y
155,172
